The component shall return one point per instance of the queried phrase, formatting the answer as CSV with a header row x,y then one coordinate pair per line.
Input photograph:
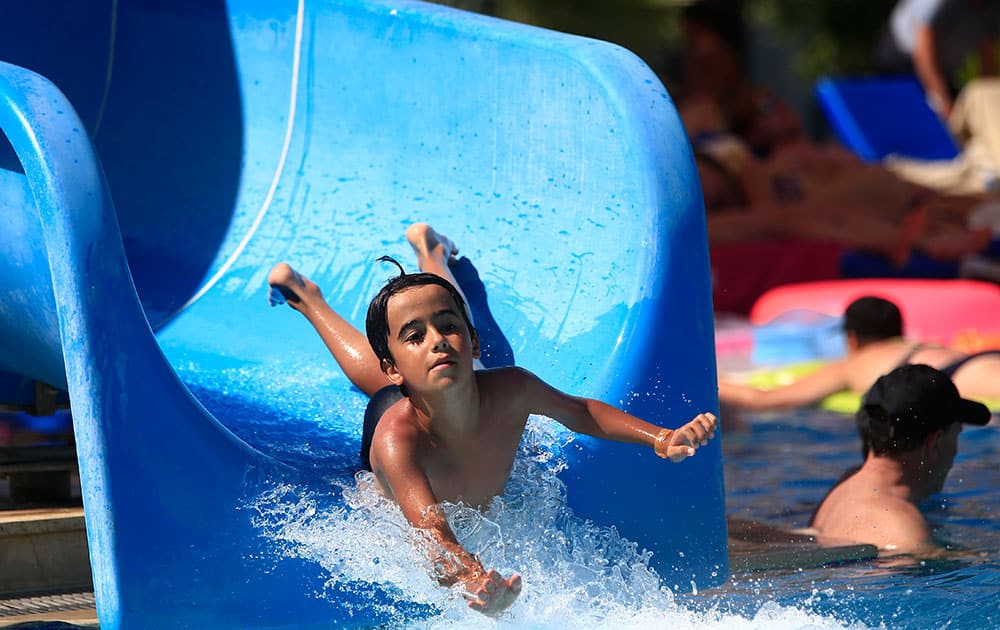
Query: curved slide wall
x,y
229,136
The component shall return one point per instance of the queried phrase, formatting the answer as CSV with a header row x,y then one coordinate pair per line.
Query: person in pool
x,y
439,427
909,424
875,345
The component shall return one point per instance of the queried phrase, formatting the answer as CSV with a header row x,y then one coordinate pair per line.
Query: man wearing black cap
x,y
909,423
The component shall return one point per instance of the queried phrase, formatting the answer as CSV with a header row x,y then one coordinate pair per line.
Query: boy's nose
x,y
439,340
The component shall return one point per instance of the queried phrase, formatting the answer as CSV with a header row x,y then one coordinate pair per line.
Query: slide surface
x,y
164,155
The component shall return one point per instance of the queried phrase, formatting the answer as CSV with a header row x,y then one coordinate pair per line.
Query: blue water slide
x,y
164,155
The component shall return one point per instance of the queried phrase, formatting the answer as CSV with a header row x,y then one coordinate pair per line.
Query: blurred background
x,y
830,138
789,43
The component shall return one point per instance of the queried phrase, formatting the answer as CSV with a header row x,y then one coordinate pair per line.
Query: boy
x,y
441,428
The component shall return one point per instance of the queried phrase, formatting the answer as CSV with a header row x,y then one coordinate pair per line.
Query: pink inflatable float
x,y
961,313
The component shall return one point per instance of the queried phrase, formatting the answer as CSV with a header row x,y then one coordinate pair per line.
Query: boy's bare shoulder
x,y
398,426
509,377
505,372
400,444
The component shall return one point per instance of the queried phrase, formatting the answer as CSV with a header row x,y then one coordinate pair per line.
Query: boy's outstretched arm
x,y
398,472
598,419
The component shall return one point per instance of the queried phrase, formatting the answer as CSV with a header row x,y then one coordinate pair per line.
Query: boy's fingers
x,y
479,606
512,591
515,584
707,422
695,435
479,603
496,593
698,435
678,453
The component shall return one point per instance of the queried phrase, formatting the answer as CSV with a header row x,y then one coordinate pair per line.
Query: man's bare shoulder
x,y
903,529
856,513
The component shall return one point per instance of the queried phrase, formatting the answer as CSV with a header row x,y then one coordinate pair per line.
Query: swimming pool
x,y
780,466
580,575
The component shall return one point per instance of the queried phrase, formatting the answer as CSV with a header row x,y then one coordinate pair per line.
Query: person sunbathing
x,y
809,192
764,179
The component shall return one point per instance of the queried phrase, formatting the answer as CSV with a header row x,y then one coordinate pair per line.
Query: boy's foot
x,y
427,243
288,285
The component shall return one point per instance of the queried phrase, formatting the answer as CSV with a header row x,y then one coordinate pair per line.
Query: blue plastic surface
x,y
16,390
233,135
59,422
878,116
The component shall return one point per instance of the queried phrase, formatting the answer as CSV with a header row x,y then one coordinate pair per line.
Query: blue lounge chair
x,y
878,116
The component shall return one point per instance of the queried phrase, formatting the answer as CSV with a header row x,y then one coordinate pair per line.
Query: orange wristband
x,y
660,445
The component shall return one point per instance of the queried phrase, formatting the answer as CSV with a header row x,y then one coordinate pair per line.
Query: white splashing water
x,y
576,574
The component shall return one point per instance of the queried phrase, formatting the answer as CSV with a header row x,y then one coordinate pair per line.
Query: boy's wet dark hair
x,y
873,319
377,320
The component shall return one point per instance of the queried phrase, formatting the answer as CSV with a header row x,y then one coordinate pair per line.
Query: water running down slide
x,y
181,149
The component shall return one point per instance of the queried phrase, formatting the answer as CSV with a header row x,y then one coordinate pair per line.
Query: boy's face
x,y
428,339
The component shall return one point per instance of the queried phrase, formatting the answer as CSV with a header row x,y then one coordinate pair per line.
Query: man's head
x,y
870,319
377,321
908,405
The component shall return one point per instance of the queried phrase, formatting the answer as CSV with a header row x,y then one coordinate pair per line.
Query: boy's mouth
x,y
442,363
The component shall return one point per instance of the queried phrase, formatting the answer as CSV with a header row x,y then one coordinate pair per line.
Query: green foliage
x,y
826,36
829,36
646,27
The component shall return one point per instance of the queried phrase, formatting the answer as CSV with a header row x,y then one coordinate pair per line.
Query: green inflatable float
x,y
846,402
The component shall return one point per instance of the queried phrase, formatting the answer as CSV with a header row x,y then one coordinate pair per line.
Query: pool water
x,y
580,575
779,466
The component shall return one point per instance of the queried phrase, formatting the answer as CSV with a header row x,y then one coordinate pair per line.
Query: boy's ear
x,y
476,350
391,372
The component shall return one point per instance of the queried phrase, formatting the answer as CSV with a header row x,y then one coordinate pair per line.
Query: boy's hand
x,y
491,594
684,441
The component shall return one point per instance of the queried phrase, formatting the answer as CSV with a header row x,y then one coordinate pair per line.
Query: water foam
x,y
577,574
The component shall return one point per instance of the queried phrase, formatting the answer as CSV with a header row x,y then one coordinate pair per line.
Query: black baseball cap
x,y
909,403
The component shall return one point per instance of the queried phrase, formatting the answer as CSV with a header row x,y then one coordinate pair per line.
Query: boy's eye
x,y
413,337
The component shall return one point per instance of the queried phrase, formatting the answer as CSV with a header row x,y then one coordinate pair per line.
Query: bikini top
x,y
914,349
952,367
